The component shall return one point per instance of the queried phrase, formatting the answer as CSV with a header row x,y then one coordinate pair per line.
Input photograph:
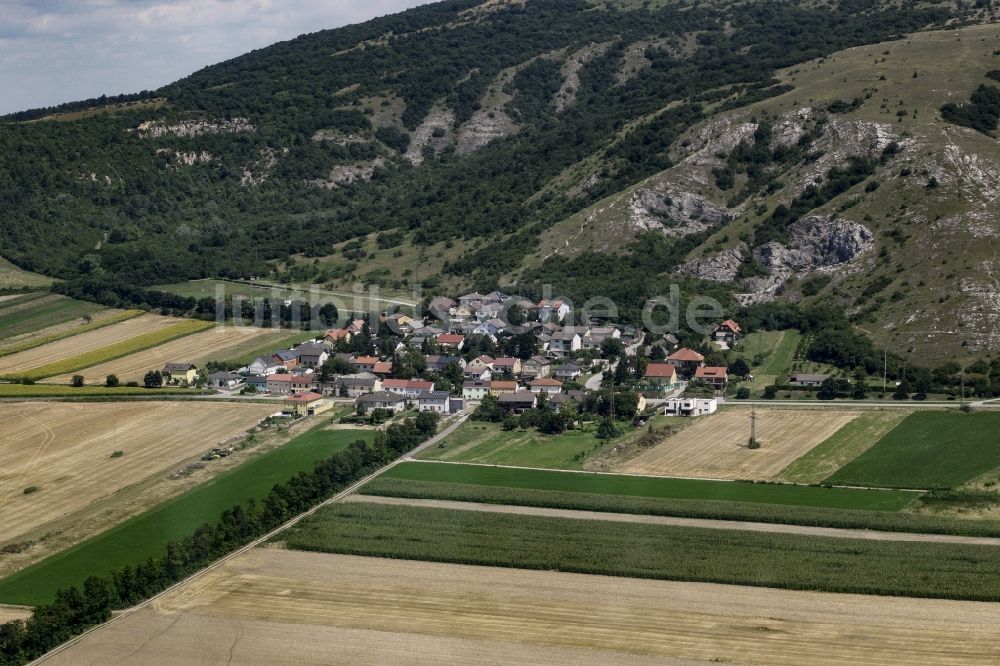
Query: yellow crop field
x,y
85,342
67,330
64,450
715,446
276,606
221,343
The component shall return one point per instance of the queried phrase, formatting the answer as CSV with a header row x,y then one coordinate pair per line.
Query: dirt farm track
x,y
64,449
715,447
275,606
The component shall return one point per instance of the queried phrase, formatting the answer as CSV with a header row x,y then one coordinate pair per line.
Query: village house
x,y
717,377
689,406
661,376
436,363
365,363
475,299
508,366
287,358
263,366
488,311
257,383
441,306
462,313
336,335
536,366
554,309
484,362
686,360
517,402
286,384
567,371
306,404
593,338
408,388
499,387
179,373
392,402
434,401
312,354
450,341
545,385
564,342
356,326
728,332
492,327
356,384
808,380
555,402
382,368
225,380
472,373
475,390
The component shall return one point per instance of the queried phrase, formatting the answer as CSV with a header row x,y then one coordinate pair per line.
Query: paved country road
x,y
837,532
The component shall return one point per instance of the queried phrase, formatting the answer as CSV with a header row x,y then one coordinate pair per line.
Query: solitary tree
x,y
111,381
77,381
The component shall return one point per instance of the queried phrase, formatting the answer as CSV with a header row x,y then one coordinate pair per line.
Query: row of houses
x,y
684,364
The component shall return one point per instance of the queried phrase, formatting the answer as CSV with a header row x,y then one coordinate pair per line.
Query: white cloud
x,y
54,51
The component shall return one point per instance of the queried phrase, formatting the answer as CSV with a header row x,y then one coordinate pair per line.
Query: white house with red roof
x,y
661,376
728,332
687,360
717,377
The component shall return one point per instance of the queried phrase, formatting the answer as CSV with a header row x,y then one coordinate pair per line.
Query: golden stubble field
x,y
275,606
83,343
214,344
64,449
715,446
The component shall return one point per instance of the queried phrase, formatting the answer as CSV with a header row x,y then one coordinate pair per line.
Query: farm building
x,y
225,380
499,387
312,354
288,384
689,406
805,379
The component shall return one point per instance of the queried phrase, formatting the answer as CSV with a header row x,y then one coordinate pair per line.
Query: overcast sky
x,y
54,51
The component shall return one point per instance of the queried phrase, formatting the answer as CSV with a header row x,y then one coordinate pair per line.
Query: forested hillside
x,y
488,132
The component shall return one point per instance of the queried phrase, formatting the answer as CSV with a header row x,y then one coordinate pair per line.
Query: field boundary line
x,y
679,521
126,612
653,476
70,333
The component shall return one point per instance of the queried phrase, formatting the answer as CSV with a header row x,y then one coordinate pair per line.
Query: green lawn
x,y
843,446
60,391
488,443
635,486
147,534
928,450
738,557
24,315
208,288
783,355
12,277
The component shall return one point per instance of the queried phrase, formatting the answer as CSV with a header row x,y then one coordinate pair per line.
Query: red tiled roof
x,y
711,373
731,325
685,354
506,360
303,397
658,370
498,384
450,338
279,378
338,334
545,381
383,367
407,383
366,360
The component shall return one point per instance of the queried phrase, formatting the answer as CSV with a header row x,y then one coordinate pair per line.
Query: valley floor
x,y
276,606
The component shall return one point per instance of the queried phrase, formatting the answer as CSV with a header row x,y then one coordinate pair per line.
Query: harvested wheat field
x,y
220,343
83,343
715,447
276,606
64,450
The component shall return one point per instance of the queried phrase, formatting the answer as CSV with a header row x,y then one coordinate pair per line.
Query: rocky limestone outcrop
x,y
721,267
816,243
258,170
154,129
435,131
675,213
482,128
345,174
566,95
188,157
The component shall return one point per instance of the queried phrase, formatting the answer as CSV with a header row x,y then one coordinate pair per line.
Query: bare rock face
x,y
674,213
817,243
153,129
257,171
345,174
482,128
721,267
435,131
566,95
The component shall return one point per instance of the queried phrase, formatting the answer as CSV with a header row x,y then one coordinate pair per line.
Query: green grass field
x,y
781,358
33,313
209,288
642,486
928,450
12,277
763,559
38,340
488,443
146,534
887,521
843,446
